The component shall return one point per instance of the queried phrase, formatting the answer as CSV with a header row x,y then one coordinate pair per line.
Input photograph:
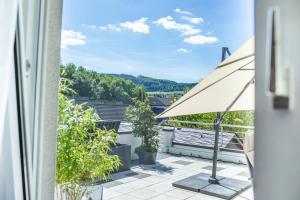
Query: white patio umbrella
x,y
220,89
230,87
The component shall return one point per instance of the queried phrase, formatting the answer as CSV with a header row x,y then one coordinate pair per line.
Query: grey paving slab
x,y
111,184
219,191
210,168
194,183
235,184
191,184
142,175
131,174
182,162
162,168
206,176
226,189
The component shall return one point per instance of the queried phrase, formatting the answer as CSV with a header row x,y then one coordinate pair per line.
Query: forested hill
x,y
88,83
153,84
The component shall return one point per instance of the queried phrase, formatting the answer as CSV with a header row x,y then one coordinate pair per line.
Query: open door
x,y
277,149
29,76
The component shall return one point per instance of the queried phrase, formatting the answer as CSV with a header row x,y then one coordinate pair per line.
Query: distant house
x,y
107,110
159,104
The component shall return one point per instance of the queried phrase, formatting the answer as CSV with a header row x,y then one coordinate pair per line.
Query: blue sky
x,y
178,40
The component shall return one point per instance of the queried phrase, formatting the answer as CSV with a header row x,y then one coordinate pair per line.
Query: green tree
x,y
88,83
82,148
142,118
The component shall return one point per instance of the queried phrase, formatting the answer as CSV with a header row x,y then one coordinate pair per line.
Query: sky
x,y
178,40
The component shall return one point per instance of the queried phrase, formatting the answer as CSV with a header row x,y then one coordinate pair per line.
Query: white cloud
x,y
193,20
90,26
72,38
178,10
182,50
110,27
169,23
201,39
138,26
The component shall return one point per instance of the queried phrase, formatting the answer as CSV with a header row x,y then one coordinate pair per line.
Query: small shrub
x,y
82,148
142,118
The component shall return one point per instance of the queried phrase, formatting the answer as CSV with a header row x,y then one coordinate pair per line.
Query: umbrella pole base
x,y
223,187
212,180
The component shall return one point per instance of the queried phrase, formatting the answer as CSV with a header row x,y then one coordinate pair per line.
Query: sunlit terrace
x,y
183,153
155,181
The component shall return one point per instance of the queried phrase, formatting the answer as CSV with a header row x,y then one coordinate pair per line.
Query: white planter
x,y
166,136
95,193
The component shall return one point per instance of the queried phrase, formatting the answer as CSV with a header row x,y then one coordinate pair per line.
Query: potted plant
x,y
82,148
142,118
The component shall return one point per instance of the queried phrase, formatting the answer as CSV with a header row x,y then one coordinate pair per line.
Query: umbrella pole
x,y
213,179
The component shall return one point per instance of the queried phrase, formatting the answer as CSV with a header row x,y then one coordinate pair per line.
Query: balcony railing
x,y
231,136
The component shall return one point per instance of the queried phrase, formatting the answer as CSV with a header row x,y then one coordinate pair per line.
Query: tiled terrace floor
x,y
154,182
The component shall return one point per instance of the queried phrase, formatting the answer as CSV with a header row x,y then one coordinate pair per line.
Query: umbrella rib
x,y
236,98
236,60
206,88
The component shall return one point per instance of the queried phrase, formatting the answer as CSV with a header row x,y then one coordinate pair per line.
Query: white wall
x,y
166,138
130,140
225,156
277,139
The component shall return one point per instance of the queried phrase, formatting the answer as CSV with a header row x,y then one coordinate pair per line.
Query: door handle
x,y
278,78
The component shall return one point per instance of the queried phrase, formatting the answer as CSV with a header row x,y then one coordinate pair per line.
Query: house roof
x,y
204,138
107,110
159,101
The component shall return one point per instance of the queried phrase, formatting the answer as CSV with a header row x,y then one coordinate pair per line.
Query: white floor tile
x,y
143,194
124,197
200,196
109,194
163,197
180,194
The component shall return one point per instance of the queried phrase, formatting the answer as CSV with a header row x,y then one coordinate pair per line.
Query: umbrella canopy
x,y
230,85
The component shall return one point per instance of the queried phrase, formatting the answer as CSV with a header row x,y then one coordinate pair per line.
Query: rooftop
x,y
195,137
205,139
105,109
159,101
154,182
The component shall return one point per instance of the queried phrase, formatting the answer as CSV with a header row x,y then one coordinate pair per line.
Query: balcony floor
x,y
154,182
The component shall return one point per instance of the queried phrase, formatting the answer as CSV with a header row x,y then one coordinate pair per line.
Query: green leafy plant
x,y
82,148
142,118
